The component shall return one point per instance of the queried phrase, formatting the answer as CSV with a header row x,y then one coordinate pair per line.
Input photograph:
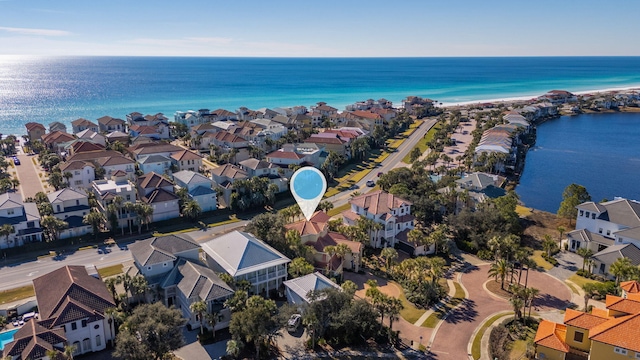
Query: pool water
x,y
6,337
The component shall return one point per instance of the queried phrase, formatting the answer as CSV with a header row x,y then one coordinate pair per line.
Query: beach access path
x,y
28,173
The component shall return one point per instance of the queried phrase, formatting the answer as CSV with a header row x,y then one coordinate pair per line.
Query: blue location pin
x,y
308,185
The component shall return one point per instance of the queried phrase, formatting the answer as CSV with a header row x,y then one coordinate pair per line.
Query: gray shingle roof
x,y
154,158
619,211
161,249
202,190
633,233
311,282
614,252
66,194
586,236
241,253
188,177
193,279
10,200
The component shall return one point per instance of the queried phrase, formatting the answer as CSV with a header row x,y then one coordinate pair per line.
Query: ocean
x,y
598,151
66,88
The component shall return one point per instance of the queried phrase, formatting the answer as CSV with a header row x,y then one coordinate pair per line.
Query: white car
x,y
294,322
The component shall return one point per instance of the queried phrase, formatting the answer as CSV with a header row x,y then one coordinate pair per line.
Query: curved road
x,y
455,332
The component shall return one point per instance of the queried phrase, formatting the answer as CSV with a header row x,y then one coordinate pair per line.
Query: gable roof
x,y
82,146
311,282
152,180
185,155
240,253
66,194
10,201
34,125
630,287
586,236
196,280
583,320
315,225
70,286
83,122
190,177
160,249
153,158
33,340
378,202
231,171
619,211
614,252
622,332
477,179
552,335
159,195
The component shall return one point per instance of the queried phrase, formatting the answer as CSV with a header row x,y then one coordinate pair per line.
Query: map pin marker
x,y
308,185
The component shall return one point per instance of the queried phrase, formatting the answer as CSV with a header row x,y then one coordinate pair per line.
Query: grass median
x,y
476,346
19,293
422,144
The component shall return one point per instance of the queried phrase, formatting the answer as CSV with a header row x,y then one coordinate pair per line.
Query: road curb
x,y
487,331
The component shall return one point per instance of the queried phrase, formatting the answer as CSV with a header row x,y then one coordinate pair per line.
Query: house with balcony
x,y
391,212
153,148
255,167
315,233
57,126
84,124
119,136
157,191
186,160
157,256
57,140
24,217
199,187
71,206
117,190
108,124
92,136
79,145
608,333
245,257
82,173
331,142
71,306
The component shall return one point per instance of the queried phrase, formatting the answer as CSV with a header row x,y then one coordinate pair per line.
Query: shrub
x,y
584,273
550,259
485,254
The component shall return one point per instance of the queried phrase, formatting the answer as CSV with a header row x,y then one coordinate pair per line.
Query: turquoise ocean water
x,y
64,89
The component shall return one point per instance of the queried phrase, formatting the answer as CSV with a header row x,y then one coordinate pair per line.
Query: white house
x,y
617,220
109,191
154,163
71,299
297,290
200,188
92,136
156,191
158,255
82,173
71,206
392,212
24,217
245,257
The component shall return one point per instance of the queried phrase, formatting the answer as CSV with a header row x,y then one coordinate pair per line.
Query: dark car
x,y
16,161
371,183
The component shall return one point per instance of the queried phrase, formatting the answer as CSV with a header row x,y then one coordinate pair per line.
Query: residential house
x,y
57,126
120,136
57,140
324,109
603,259
255,167
370,118
145,131
186,160
71,299
225,176
222,115
33,341
35,130
117,190
315,233
600,225
629,287
157,191
199,187
71,206
331,142
392,212
78,146
298,289
189,118
92,136
155,126
84,124
245,257
608,333
476,188
150,148
109,124
296,154
558,97
414,104
156,256
24,217
82,173
155,163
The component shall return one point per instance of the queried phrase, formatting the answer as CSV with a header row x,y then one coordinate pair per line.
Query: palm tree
x,y
69,350
500,269
110,313
125,280
53,226
589,289
436,269
192,210
95,219
531,295
517,304
548,244
144,213
389,254
233,348
586,254
6,230
621,269
111,285
393,310
139,286
199,307
212,320
329,250
52,354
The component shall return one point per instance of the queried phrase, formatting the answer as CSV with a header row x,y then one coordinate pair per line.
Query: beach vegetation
x,y
572,196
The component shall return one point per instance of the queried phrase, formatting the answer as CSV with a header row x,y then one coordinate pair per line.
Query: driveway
x,y
193,350
568,264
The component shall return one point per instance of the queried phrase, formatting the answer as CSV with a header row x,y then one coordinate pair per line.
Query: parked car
x,y
371,183
294,322
16,161
380,174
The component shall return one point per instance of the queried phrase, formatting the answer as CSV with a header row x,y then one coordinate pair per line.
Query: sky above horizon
x,y
328,28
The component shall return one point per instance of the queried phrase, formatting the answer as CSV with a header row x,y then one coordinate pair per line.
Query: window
x,y
77,202
76,172
84,323
593,216
78,182
30,225
98,341
581,212
10,212
128,197
86,344
620,351
600,231
588,214
148,267
638,355
608,232
164,264
74,326
578,336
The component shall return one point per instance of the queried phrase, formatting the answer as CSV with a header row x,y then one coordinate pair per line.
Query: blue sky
x,y
327,28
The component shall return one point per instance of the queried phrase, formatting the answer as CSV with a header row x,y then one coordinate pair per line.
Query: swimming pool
x,y
6,337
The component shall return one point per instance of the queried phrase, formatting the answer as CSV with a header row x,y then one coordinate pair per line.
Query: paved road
x,y
30,183
391,162
463,320
22,273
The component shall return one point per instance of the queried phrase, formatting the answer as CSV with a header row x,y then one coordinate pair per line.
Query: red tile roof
x,y
622,332
279,154
552,335
630,286
583,320
186,155
378,202
34,125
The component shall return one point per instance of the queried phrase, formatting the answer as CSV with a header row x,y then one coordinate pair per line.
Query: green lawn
x,y
19,293
422,144
540,262
410,312
105,272
579,280
339,209
459,291
523,211
476,345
